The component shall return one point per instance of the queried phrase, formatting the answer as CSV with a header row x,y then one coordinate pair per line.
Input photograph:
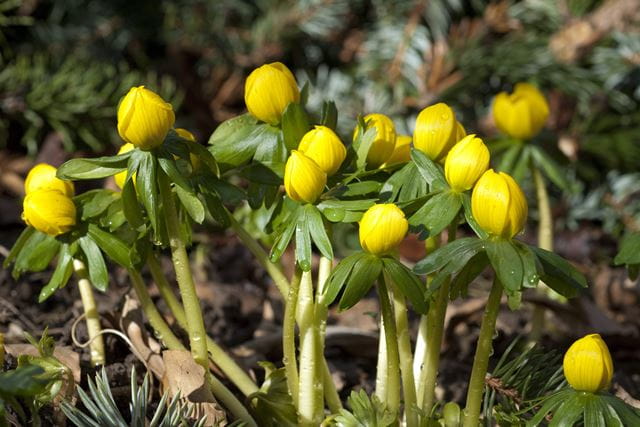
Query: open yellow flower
x,y
304,180
43,177
401,151
49,211
268,91
384,141
437,130
323,146
121,177
465,163
521,114
499,205
587,364
144,118
382,228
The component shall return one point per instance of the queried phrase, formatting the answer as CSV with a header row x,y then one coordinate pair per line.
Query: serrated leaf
x,y
295,124
364,274
99,167
365,412
558,274
273,404
408,283
437,213
431,172
60,275
95,263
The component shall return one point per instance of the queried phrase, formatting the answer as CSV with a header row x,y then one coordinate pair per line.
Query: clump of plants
x,y
287,168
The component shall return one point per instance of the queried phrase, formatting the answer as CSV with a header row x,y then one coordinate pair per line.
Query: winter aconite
x,y
43,177
436,131
144,118
587,364
304,180
499,205
49,211
520,114
384,140
322,145
382,228
401,151
121,177
466,162
268,91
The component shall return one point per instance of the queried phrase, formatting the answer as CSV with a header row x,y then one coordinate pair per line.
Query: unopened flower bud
x,y
323,146
382,228
43,177
384,141
49,211
587,364
521,114
304,180
401,151
465,163
437,130
144,118
268,91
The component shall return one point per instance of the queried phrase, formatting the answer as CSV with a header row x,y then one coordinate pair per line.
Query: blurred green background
x,y
65,64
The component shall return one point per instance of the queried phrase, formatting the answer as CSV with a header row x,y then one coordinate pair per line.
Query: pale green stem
x,y
190,300
481,358
406,357
262,257
90,313
164,332
391,339
220,357
545,241
330,392
289,337
381,367
310,402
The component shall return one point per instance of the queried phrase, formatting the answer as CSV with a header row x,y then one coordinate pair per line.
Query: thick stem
x,y
381,366
164,332
90,313
220,357
406,358
289,337
330,392
190,300
262,257
310,402
391,339
481,358
545,241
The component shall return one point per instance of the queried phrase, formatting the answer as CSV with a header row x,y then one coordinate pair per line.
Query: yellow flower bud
x,y
437,130
269,90
304,180
521,114
324,147
43,177
587,364
465,163
382,228
385,139
120,177
401,151
144,118
185,134
49,211
498,204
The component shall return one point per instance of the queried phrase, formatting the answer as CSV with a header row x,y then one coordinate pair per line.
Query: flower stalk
x,y
391,340
289,336
90,313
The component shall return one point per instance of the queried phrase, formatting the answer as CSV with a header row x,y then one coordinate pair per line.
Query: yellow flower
x,y
401,151
382,228
144,118
43,177
49,211
466,162
498,204
521,114
120,177
587,364
269,90
304,180
437,130
324,147
384,141
185,134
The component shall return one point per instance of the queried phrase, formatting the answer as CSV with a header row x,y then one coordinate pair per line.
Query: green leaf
x,y
329,115
271,151
628,415
468,216
95,202
95,263
273,404
509,157
235,140
61,274
550,404
295,124
471,270
192,204
530,277
318,231
364,273
284,235
99,167
18,245
523,164
442,256
558,274
365,412
362,145
404,185
507,264
360,188
437,213
408,283
430,171
111,245
24,381
147,187
303,241
204,156
338,278
629,253
594,412
568,413
168,165
36,254
131,206
551,169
